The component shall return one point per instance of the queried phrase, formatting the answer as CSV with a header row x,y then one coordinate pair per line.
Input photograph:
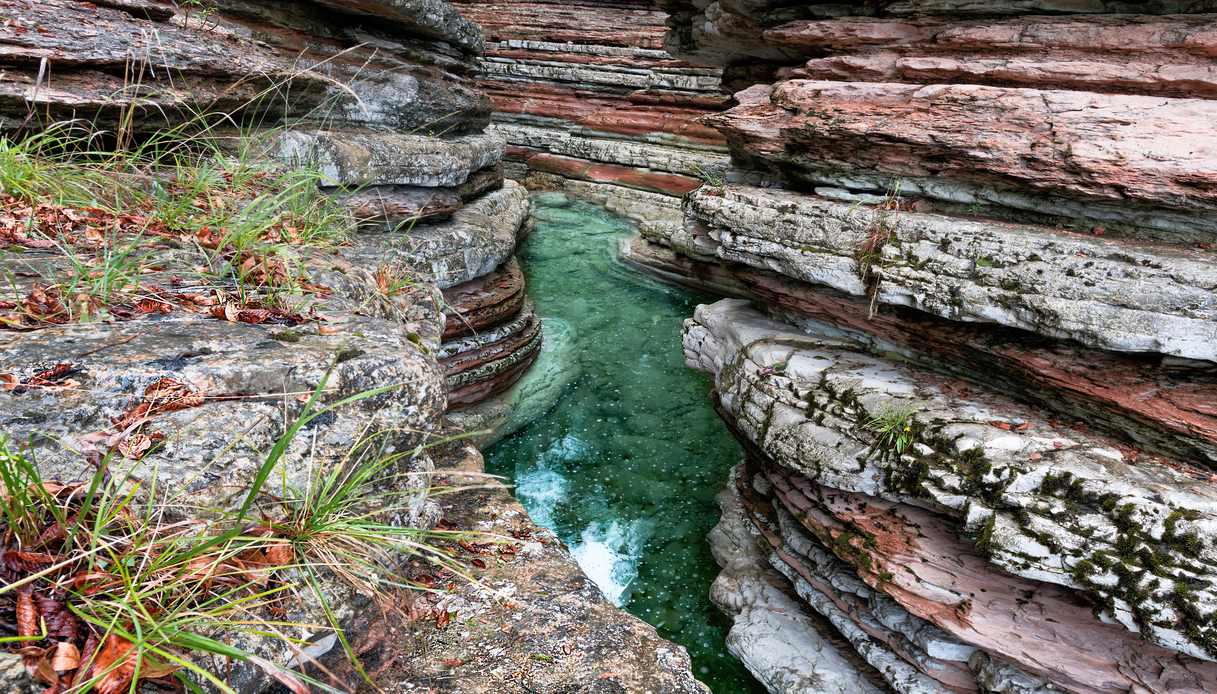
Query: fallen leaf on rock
x,y
27,613
136,446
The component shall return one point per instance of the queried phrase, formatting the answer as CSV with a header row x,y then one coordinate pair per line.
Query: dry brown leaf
x,y
27,613
66,657
117,659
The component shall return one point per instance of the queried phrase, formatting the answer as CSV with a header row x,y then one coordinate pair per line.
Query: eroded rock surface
x,y
584,92
420,297
1042,503
534,622
951,249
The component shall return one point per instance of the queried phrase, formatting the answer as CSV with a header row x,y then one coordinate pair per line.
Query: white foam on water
x,y
541,491
609,554
566,449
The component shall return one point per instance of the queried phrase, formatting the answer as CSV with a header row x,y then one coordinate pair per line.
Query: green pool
x,y
626,466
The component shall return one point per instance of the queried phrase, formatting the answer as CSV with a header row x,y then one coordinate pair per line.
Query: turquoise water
x,y
626,467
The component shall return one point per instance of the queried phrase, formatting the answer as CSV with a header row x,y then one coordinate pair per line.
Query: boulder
x,y
357,158
1040,500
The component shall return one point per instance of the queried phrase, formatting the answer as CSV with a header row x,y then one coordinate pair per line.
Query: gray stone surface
x,y
774,636
436,19
477,239
1104,293
355,158
1042,501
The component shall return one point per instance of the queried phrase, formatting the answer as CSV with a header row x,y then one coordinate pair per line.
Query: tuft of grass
x,y
894,429
111,588
250,221
715,178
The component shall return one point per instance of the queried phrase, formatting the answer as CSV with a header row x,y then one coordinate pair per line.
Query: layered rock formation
x,y
972,357
192,381
590,102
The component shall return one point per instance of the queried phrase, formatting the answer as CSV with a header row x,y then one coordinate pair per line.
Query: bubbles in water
x,y
609,554
541,490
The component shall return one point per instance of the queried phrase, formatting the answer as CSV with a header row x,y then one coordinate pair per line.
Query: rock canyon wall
x,y
190,371
590,102
971,350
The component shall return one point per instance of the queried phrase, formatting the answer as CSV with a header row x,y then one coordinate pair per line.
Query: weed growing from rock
x,y
894,430
108,587
880,231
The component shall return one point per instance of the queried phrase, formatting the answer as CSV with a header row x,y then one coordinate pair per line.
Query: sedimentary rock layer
x,y
1173,54
733,31
1132,535
1110,294
1135,531
780,640
1015,194
1150,155
1159,405
584,90
257,59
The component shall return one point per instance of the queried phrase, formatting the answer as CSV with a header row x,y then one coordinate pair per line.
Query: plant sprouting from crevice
x,y
894,429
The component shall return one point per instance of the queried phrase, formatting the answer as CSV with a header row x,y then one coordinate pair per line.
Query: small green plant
x,y
713,177
199,9
894,429
112,588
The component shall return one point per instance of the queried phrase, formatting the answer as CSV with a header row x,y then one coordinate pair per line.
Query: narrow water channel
x,y
625,468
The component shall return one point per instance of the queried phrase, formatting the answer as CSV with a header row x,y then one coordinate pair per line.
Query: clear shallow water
x,y
626,467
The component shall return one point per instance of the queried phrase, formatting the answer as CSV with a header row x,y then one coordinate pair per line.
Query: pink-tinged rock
x,y
606,113
1171,410
608,24
499,345
476,385
1172,55
1043,501
1106,148
485,301
1166,410
912,556
652,181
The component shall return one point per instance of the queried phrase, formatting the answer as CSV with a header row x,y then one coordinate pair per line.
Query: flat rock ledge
x,y
478,238
1038,500
356,158
533,622
1159,404
1104,293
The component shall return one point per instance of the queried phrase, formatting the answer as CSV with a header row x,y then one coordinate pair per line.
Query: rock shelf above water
x,y
1110,294
1048,504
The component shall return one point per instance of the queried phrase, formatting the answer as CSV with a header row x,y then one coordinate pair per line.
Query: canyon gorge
x,y
829,346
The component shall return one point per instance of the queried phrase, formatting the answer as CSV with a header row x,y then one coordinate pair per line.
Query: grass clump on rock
x,y
107,586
